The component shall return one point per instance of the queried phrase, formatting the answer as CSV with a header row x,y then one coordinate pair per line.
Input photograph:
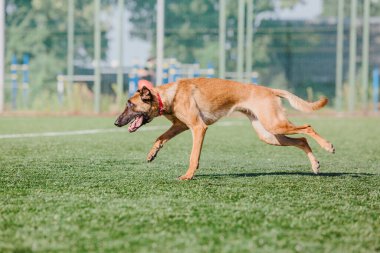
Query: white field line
x,y
98,131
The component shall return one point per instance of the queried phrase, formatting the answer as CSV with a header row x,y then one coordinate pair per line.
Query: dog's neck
x,y
167,93
161,109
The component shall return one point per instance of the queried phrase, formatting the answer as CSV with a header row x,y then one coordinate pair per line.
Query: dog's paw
x,y
150,158
330,148
315,167
152,154
185,177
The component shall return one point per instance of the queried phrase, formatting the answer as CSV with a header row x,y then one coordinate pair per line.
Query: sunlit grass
x,y
96,193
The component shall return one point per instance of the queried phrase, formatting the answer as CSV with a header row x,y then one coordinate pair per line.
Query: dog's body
x,y
197,103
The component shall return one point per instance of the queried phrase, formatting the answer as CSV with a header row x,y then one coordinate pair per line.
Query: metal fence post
x,y
222,39
120,72
352,63
70,48
249,39
97,45
339,57
365,53
2,58
160,40
240,42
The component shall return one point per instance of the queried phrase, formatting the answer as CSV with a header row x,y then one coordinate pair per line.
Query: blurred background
x,y
87,56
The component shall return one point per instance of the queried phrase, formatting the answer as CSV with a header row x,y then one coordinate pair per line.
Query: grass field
x,y
96,193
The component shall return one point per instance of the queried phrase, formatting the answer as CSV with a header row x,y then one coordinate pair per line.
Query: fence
x,y
90,54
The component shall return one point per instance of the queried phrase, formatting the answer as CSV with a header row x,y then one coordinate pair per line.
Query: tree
x,y
39,28
191,28
330,8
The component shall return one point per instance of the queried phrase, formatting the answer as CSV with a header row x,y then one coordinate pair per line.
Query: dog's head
x,y
140,109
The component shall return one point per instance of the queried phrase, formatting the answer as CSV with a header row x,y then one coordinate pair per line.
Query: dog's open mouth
x,y
137,122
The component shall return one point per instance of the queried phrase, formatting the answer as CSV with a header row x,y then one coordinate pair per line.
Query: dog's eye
x,y
130,104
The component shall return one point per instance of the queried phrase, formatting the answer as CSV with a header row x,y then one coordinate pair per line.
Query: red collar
x,y
160,104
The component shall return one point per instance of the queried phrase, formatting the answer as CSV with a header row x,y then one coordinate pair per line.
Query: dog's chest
x,y
212,107
210,117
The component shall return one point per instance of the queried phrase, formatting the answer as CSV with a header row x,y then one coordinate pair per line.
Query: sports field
x,y
92,191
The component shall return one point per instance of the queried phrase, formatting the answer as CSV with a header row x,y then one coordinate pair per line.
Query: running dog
x,y
197,103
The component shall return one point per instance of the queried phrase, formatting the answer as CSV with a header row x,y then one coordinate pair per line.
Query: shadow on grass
x,y
286,173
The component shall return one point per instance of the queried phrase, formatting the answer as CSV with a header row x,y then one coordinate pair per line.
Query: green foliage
x,y
39,28
190,28
330,8
96,193
191,34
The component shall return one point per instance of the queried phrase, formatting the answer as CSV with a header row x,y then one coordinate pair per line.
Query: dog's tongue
x,y
136,124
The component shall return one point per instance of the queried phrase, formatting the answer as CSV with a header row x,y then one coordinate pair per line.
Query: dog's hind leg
x,y
177,128
286,127
282,140
307,129
274,120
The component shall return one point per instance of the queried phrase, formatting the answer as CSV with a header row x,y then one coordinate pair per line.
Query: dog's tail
x,y
299,103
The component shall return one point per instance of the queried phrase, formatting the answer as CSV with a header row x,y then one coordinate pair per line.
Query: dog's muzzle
x,y
117,123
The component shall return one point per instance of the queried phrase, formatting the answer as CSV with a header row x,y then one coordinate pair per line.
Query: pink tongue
x,y
136,124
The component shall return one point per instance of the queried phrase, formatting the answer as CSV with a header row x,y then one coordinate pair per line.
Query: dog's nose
x,y
117,123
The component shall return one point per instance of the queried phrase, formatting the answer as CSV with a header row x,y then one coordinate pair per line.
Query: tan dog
x,y
197,103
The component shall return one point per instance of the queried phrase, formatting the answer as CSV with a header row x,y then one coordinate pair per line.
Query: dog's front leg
x,y
174,130
198,132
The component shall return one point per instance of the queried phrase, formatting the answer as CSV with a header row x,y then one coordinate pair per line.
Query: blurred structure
x,y
2,51
103,48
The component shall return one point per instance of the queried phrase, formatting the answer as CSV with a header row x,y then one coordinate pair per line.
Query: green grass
x,y
96,193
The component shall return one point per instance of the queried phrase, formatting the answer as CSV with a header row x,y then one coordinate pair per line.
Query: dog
x,y
199,102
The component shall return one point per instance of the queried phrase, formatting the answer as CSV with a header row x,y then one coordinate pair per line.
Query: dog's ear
x,y
145,94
